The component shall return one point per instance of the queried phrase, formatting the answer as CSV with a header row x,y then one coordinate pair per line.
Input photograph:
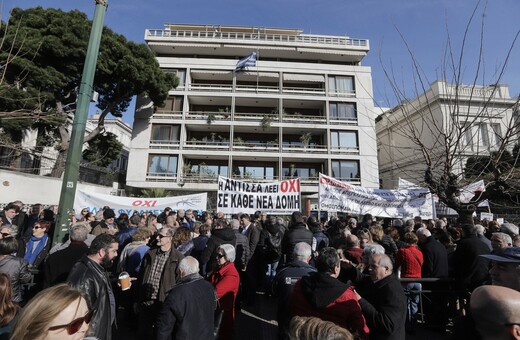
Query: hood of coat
x,y
226,234
321,289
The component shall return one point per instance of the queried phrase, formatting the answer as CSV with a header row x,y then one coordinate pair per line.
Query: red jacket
x,y
226,281
344,310
410,259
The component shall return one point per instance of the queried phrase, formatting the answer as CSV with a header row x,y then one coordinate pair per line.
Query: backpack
x,y
272,248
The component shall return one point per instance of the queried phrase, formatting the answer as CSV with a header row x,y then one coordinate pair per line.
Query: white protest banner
x,y
234,196
486,216
95,202
469,191
335,195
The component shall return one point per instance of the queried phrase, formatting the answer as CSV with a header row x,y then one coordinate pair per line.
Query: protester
x,y
496,312
304,328
322,295
132,255
221,234
285,280
182,241
500,241
59,264
8,309
107,225
297,232
17,268
89,276
384,304
158,275
505,270
180,318
37,247
58,313
226,282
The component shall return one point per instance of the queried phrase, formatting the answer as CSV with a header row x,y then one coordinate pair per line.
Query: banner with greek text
x,y
335,195
281,198
95,202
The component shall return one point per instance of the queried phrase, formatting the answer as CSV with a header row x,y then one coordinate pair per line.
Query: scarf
x,y
31,253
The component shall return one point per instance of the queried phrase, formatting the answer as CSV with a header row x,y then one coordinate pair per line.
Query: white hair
x,y
480,229
302,251
229,252
372,249
188,265
423,232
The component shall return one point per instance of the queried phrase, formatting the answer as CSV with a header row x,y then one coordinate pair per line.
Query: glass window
x,y
343,111
301,170
250,171
341,84
497,135
181,73
165,133
344,139
162,165
345,170
483,134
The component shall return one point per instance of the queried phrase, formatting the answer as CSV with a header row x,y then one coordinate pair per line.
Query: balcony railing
x,y
351,94
343,121
253,178
303,90
254,117
164,144
211,87
211,145
301,38
346,150
161,177
199,178
256,146
304,119
201,115
257,89
312,148
164,114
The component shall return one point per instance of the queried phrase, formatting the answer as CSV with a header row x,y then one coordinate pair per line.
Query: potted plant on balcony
x,y
306,139
238,141
211,117
266,121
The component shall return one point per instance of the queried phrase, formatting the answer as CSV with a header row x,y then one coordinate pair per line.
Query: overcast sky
x,y
422,23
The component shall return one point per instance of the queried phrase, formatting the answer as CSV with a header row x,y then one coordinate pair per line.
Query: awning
x,y
313,78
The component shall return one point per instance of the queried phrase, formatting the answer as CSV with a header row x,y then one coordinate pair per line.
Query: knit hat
x,y
108,213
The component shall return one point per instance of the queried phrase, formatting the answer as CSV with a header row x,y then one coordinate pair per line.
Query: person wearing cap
x,y
107,225
505,270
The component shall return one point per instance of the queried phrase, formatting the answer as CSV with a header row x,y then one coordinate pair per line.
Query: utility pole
x,y
70,177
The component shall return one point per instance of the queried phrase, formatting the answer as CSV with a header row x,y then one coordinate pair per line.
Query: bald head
x,y
496,311
423,234
352,241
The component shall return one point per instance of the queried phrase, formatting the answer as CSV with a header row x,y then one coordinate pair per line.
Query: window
x,y
165,133
344,139
343,111
301,170
181,73
252,171
483,134
345,170
162,165
209,170
172,103
497,135
341,84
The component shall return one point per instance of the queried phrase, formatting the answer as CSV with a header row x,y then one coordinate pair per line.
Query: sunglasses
x,y
75,325
161,236
37,227
219,256
5,234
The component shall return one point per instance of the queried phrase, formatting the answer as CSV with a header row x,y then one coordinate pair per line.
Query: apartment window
x,y
301,170
344,139
172,104
162,165
210,170
252,171
343,111
497,135
483,134
341,84
180,73
165,133
345,170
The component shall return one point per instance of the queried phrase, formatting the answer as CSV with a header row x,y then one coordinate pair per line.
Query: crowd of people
x,y
185,275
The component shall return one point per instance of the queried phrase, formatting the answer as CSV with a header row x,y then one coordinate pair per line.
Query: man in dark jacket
x,y
157,277
322,295
89,276
285,281
384,302
182,318
471,270
59,264
297,232
221,234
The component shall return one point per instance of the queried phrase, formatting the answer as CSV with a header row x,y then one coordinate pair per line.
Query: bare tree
x,y
429,138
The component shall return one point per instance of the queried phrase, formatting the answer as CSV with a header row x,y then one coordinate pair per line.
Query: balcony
x,y
311,148
199,178
164,114
303,91
161,177
254,178
304,119
343,121
239,145
164,144
255,116
208,116
203,87
206,145
345,150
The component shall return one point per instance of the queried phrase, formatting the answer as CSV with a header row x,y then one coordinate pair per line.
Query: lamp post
x,y
70,176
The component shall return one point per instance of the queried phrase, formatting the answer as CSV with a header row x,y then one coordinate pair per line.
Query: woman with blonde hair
x,y
303,328
56,313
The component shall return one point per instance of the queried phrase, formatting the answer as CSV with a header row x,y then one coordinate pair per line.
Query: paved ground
x,y
258,322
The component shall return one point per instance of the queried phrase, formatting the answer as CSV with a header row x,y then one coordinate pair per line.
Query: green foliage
x,y
155,192
103,149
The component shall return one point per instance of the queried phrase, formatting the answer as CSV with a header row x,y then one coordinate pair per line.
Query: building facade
x,y
452,122
305,108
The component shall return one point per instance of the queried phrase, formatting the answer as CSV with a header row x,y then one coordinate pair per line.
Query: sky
x,y
393,28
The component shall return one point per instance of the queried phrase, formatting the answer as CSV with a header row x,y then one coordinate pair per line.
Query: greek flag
x,y
248,61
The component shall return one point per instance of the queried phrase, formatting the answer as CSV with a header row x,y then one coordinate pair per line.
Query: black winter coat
x,y
435,258
91,278
188,311
296,233
471,270
384,308
218,237
59,264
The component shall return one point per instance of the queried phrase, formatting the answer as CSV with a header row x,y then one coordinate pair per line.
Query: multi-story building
x,y
451,122
305,108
